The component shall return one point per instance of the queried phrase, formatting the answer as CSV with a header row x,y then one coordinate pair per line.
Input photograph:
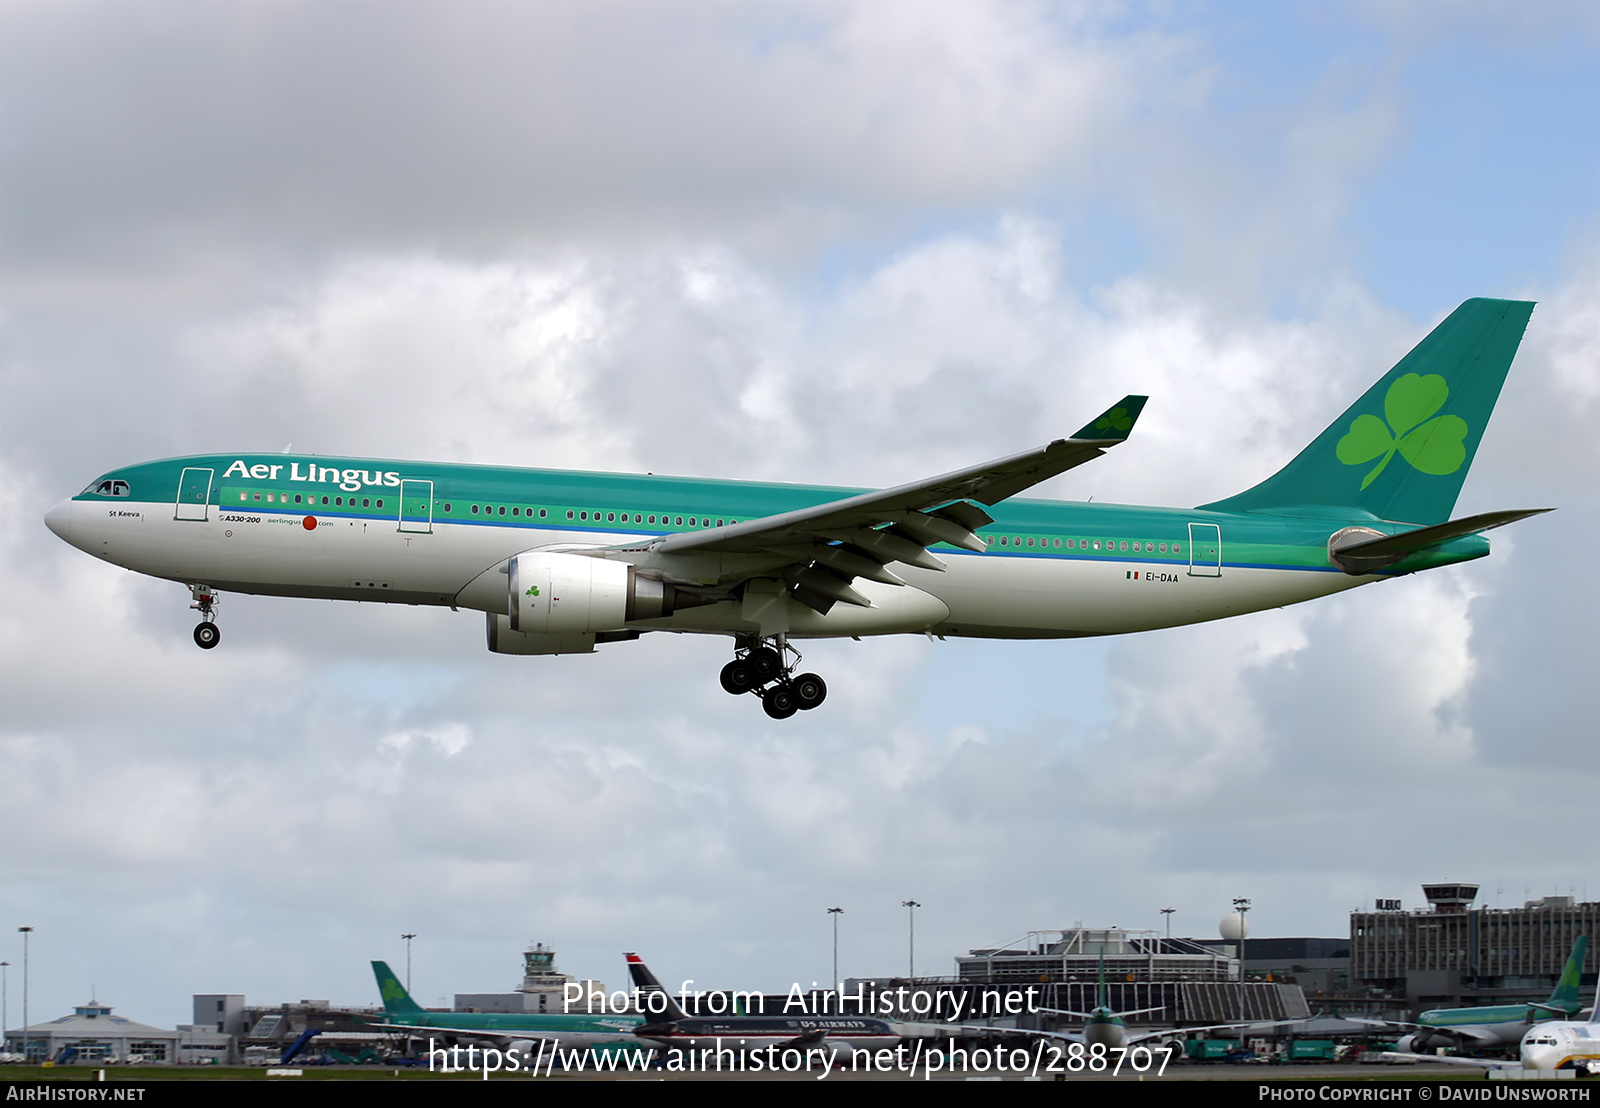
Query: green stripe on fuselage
x,y
649,506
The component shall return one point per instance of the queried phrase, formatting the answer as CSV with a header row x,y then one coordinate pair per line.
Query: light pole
x,y
5,998
836,913
1168,913
26,931
408,937
911,907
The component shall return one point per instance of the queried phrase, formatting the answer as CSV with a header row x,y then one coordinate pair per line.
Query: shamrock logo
x,y
533,590
1433,445
1115,419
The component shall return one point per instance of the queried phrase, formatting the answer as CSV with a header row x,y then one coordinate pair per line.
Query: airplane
x,y
561,562
1498,1025
506,1030
1108,1028
751,1033
1549,1045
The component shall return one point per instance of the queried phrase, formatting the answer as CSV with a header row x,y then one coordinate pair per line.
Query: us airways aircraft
x,y
561,562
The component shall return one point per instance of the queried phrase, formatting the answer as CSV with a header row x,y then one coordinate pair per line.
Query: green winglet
x,y
1116,422
395,998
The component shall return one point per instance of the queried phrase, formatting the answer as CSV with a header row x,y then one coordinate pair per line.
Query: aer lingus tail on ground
x,y
562,562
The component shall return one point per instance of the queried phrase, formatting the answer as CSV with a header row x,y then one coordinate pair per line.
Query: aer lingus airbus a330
x,y
562,561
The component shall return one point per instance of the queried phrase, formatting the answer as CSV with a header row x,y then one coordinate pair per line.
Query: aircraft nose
x,y
59,520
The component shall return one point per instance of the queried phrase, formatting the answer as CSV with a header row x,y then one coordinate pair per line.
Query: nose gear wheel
x,y
206,634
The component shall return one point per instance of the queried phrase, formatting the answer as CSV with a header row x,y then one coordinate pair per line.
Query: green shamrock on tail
x,y
1116,418
1432,445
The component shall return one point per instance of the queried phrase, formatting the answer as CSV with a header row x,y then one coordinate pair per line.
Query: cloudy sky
x,y
842,243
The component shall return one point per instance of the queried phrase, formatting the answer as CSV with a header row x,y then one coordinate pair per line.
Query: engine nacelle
x,y
568,594
1417,1043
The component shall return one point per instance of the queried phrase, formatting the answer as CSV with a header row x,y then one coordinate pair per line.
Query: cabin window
x,y
474,509
541,513
1124,544
569,513
679,522
502,509
611,517
365,503
1176,549
1058,544
324,500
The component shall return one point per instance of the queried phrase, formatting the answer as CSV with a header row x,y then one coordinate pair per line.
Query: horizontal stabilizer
x,y
1365,557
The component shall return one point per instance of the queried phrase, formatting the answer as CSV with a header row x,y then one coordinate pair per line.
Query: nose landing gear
x,y
766,671
206,634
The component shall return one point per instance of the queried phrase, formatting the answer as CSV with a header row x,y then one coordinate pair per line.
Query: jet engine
x,y
556,594
1418,1043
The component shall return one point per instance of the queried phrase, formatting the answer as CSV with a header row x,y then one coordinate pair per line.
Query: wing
x,y
498,1035
1145,1036
1450,1060
819,551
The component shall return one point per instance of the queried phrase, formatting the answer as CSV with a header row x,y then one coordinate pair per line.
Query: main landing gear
x,y
207,634
767,671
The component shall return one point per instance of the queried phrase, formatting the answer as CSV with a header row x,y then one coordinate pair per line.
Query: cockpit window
x,y
109,488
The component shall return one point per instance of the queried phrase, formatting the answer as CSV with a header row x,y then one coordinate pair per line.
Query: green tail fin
x,y
1402,451
395,998
1566,994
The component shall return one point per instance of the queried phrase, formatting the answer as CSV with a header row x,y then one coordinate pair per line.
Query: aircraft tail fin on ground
x,y
1402,451
1566,997
395,998
649,987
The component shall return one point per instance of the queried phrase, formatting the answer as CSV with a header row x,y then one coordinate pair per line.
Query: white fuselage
x,y
1559,1044
979,595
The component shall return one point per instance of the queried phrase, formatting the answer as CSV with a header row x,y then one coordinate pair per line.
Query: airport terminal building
x,y
1451,953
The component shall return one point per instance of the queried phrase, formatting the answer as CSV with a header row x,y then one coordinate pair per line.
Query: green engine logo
x,y
533,590
1432,444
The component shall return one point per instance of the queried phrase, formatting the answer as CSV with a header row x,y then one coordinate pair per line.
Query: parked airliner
x,y
1552,1045
561,562
518,1031
1498,1025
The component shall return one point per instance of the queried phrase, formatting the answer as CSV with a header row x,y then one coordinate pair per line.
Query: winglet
x,y
1116,422
395,998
